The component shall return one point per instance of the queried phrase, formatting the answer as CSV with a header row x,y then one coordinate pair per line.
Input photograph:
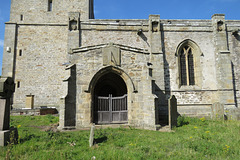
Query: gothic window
x,y
50,4
186,60
189,57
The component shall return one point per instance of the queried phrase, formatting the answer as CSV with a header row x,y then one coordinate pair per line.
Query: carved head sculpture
x,y
155,26
220,26
73,24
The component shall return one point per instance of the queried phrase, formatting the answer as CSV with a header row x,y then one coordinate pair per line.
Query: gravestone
x,y
172,111
217,111
91,138
7,88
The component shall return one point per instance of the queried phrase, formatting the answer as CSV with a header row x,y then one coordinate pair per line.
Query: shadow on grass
x,y
100,140
28,138
182,124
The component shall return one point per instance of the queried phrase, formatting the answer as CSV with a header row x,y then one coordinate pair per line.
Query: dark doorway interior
x,y
110,100
110,84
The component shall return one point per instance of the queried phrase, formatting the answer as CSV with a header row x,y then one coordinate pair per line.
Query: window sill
x,y
189,88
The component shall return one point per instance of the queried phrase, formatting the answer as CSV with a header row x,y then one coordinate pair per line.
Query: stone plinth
x,y
233,114
8,136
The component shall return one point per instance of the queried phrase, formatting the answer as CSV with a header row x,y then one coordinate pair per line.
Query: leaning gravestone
x,y
217,111
91,138
172,111
7,88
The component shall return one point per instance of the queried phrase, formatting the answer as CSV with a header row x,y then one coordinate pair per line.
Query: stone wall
x,y
204,93
37,43
234,47
39,68
36,59
9,50
36,11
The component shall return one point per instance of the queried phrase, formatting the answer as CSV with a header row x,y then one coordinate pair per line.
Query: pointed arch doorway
x,y
110,100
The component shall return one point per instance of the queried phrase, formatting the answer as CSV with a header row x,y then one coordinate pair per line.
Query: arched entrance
x,y
110,100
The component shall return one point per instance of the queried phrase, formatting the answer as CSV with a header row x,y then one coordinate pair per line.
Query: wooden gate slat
x,y
112,106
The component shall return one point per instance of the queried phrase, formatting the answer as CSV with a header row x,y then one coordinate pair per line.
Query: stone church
x,y
118,71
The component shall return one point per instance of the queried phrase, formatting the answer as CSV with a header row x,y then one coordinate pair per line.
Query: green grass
x,y
193,139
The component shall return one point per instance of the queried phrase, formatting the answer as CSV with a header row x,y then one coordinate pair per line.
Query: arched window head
x,y
189,66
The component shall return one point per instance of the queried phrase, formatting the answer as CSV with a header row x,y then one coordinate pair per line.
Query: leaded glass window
x,y
183,69
187,66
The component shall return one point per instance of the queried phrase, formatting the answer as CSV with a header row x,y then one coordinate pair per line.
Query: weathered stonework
x,y
64,58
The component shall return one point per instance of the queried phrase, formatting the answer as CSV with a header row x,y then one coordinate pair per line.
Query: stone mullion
x,y
187,69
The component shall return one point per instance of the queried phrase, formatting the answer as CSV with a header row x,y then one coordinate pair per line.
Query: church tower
x,y
37,39
49,11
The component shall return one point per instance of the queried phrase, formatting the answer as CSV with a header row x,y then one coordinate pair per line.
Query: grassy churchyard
x,y
193,139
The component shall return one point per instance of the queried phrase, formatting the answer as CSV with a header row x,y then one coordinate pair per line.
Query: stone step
x,y
233,114
165,129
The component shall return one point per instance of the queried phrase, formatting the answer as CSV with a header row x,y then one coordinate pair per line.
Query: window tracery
x,y
186,59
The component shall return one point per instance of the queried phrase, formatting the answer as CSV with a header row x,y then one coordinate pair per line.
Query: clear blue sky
x,y
140,9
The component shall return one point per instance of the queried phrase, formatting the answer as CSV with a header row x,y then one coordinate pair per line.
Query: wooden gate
x,y
112,109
